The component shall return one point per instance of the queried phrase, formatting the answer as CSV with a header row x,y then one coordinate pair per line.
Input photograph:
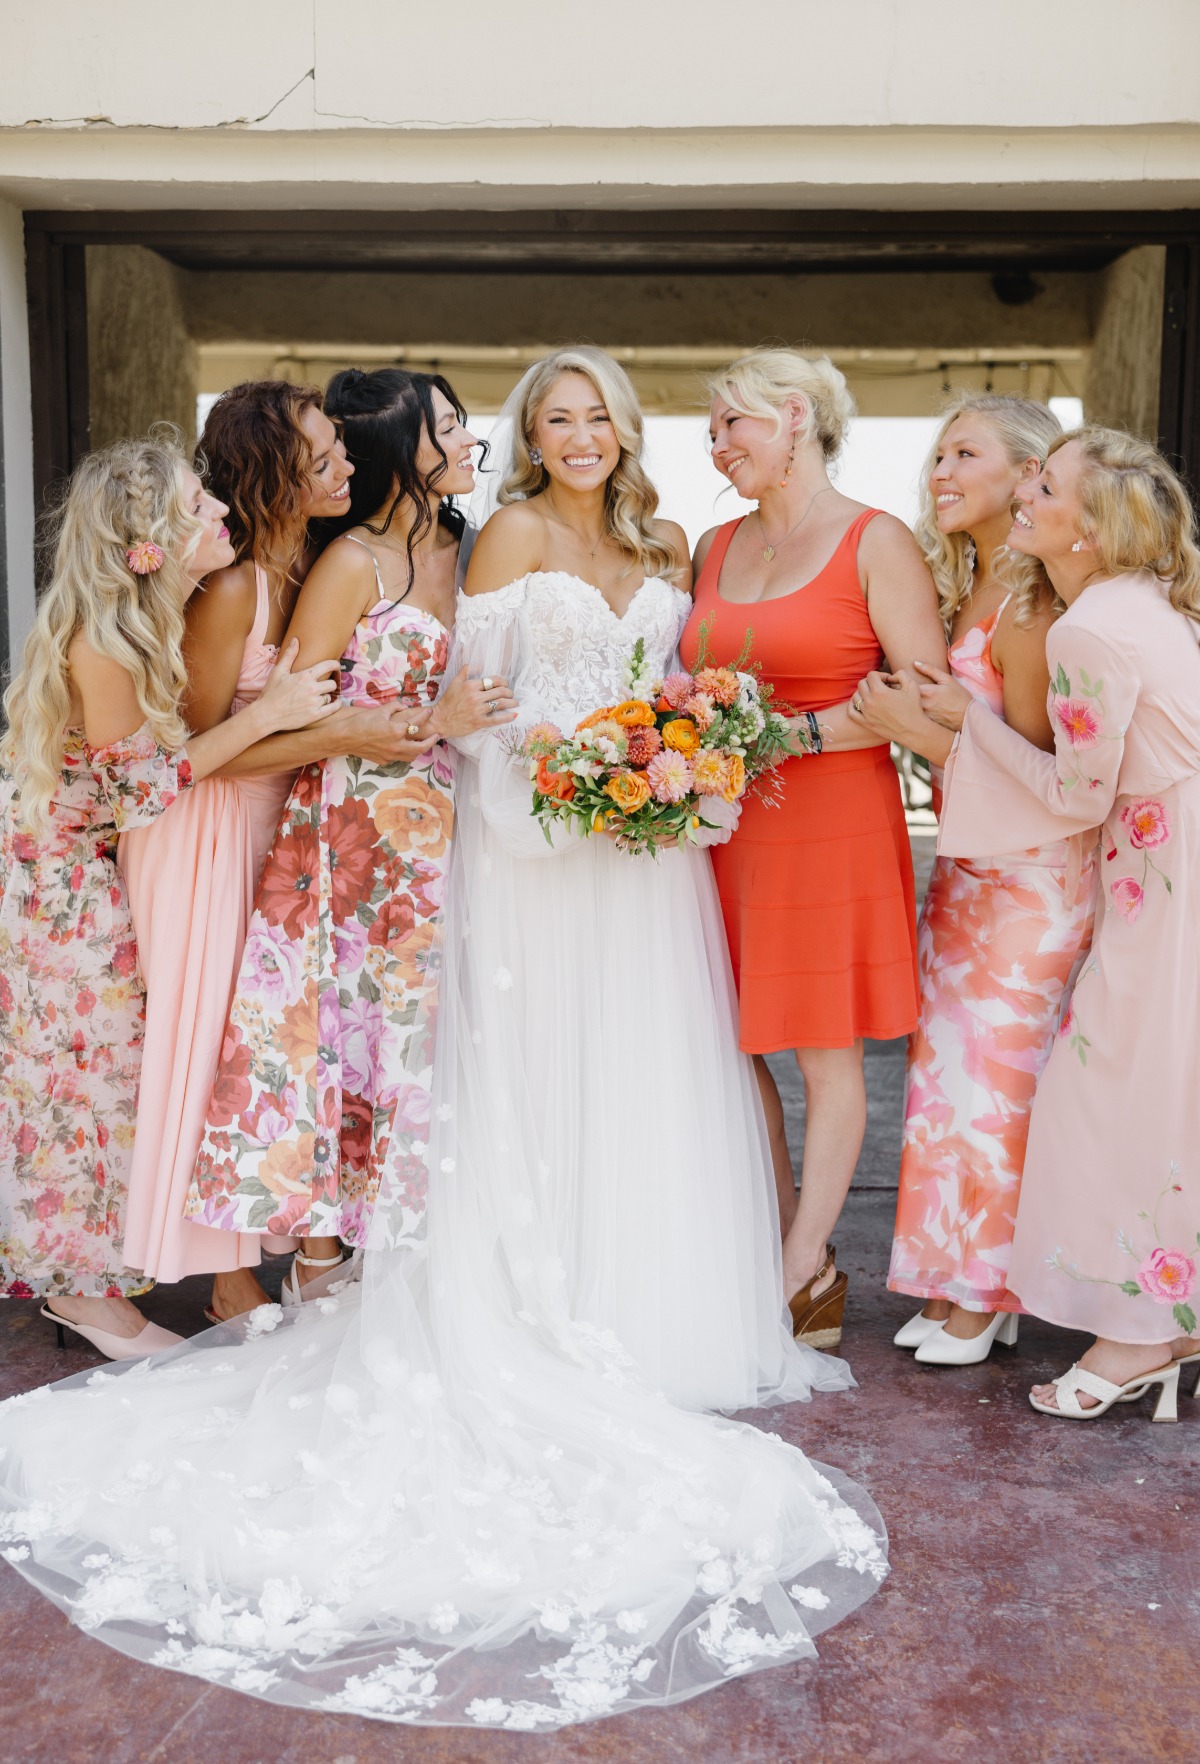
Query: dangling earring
x,y
1078,545
535,456
791,457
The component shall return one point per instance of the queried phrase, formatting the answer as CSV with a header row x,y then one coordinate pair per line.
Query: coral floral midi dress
x,y
72,1020
1109,1222
328,1050
997,946
816,891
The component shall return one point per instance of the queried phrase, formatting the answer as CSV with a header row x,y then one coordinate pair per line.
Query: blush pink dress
x,y
1106,1237
997,945
191,878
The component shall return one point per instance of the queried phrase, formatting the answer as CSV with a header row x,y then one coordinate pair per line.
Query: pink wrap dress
x,y
1109,1223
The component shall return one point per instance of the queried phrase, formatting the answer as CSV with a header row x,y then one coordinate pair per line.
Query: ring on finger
x,y
487,682
412,731
858,705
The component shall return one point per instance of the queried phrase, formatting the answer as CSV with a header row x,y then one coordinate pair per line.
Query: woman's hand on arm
x,y
464,706
889,705
375,732
291,699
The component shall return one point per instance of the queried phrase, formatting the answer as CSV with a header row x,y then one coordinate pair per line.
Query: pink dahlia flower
x,y
641,745
669,776
1128,897
1146,823
677,689
701,710
1078,722
1167,1276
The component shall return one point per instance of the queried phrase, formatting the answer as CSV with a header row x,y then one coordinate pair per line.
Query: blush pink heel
x,y
150,1339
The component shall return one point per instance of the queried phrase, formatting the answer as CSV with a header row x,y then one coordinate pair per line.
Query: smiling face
x,y
572,427
327,486
213,550
457,474
973,479
749,450
1049,511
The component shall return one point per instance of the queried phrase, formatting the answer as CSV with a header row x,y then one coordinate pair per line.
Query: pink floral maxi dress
x,y
72,1016
998,941
326,1060
1107,1231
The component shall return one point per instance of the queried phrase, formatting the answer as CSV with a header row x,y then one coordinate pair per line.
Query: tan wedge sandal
x,y
817,1322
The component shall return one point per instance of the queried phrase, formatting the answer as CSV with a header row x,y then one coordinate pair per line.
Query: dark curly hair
x,y
254,455
384,416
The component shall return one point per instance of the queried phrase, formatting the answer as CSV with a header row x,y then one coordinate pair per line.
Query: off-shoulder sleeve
x,y
999,786
490,637
138,779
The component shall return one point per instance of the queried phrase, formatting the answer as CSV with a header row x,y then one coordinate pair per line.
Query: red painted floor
x,y
1043,1608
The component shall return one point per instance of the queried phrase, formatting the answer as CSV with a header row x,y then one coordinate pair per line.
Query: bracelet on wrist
x,y
816,740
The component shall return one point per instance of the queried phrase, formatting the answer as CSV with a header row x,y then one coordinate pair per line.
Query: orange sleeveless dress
x,y
816,892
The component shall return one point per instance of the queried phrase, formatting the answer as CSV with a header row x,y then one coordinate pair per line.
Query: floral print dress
x,y
326,1063
999,940
1109,1221
72,1013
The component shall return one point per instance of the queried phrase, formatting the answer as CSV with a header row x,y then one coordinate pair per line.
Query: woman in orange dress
x,y
817,892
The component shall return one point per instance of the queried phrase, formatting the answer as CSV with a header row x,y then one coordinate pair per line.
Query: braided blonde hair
x,y
1137,512
630,499
1026,430
116,498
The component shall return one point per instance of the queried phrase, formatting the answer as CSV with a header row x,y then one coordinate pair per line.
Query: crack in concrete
x,y
231,122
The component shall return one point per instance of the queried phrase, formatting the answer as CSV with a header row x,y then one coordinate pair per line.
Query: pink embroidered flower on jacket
x,y
1146,823
1128,897
1167,1276
1079,723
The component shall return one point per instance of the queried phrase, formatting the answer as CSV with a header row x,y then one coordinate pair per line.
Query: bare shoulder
x,y
885,537
229,594
703,546
509,546
1019,645
348,557
95,671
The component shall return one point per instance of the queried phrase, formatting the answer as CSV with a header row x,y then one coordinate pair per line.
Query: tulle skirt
x,y
460,1489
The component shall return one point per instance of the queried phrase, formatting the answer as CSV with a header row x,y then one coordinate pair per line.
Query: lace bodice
x,y
567,649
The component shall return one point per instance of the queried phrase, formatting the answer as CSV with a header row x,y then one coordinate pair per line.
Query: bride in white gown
x,y
459,1491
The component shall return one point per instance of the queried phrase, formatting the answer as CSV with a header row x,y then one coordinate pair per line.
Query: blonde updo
x,y
116,499
1026,430
1136,512
630,499
761,383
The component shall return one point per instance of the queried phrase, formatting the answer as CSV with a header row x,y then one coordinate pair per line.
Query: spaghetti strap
x,y
373,558
262,608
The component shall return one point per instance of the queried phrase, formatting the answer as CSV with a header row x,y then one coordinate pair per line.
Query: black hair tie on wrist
x,y
815,742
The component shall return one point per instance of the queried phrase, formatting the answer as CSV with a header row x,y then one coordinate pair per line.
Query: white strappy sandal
x,y
1078,1379
293,1293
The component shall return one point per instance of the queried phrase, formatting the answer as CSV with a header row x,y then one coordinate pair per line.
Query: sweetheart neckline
x,y
619,618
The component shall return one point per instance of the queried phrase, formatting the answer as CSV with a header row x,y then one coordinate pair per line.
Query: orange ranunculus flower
x,y
737,777
629,790
682,735
414,817
633,714
560,785
597,716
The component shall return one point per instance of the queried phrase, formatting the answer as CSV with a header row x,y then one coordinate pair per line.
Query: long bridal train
x,y
457,1493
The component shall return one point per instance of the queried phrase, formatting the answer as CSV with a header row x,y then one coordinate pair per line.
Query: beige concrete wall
x,y
1123,374
16,564
141,359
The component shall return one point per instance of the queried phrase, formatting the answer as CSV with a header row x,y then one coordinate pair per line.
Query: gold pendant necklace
x,y
769,550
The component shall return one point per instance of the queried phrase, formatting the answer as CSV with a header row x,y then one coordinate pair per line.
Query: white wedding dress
x,y
469,1488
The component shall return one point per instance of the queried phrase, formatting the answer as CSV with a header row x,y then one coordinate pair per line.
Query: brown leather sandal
x,y
817,1322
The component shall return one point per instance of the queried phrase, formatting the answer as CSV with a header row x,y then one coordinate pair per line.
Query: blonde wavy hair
x,y
116,498
1026,430
630,499
1137,513
761,383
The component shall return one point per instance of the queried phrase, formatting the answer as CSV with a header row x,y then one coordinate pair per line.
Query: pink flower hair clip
x,y
145,557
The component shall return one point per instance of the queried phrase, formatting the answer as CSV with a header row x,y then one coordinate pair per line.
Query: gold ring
x,y
413,730
858,705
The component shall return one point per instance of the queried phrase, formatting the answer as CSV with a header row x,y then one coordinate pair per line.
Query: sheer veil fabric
x,y
472,1487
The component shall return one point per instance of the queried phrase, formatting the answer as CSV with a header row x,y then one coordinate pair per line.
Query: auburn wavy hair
x,y
630,499
254,455
115,499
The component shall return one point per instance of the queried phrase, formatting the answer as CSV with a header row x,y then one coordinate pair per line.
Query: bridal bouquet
x,y
665,764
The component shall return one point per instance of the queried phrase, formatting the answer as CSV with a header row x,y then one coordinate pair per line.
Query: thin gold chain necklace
x,y
769,550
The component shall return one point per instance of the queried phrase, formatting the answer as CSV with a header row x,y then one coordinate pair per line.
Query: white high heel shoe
x,y
915,1331
940,1349
293,1293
